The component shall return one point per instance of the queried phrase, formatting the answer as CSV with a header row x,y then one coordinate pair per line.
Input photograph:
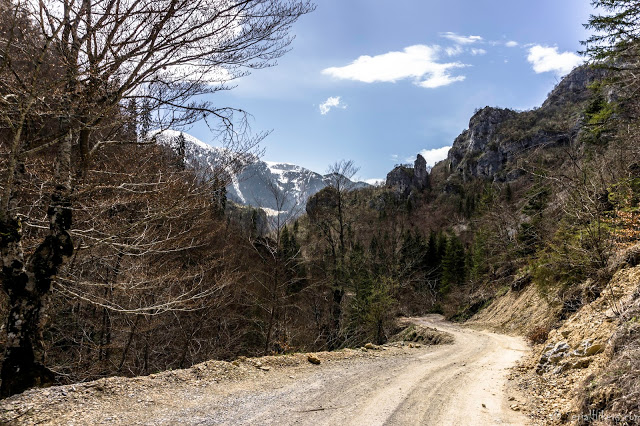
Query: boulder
x,y
313,359
551,356
581,363
594,349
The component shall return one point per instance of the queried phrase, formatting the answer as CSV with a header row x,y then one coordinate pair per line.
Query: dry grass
x,y
615,396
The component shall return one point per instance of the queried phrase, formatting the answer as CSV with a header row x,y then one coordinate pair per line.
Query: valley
x,y
149,277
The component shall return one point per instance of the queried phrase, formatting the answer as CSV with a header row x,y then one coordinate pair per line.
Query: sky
x,y
378,81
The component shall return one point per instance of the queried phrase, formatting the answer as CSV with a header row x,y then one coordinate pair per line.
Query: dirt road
x,y
458,384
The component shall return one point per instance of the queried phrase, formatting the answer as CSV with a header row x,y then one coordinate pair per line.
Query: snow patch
x,y
236,187
272,212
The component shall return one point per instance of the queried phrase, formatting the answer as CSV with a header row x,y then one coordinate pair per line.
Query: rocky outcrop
x,y
487,148
559,358
496,137
475,151
573,88
403,179
420,171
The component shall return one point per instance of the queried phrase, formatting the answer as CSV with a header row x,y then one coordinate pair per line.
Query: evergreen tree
x,y
478,256
294,270
380,305
131,127
432,258
508,194
145,118
441,245
180,150
453,263
615,45
219,197
617,33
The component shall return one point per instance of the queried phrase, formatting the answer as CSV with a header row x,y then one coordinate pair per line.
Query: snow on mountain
x,y
203,156
278,188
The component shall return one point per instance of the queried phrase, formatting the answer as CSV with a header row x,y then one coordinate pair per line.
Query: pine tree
x,y
617,32
219,196
478,256
453,263
615,45
131,128
432,258
145,119
180,149
508,194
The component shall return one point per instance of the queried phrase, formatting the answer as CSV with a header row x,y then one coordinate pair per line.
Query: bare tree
x,y
277,278
104,53
329,213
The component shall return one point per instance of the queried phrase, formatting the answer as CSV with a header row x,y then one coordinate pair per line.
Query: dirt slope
x,y
461,383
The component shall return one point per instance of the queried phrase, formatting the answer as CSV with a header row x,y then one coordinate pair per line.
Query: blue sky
x,y
377,81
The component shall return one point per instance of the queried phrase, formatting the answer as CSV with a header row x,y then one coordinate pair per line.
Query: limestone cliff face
x,y
496,137
402,179
476,151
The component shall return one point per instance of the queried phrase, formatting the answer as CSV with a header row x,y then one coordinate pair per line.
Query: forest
x,y
121,258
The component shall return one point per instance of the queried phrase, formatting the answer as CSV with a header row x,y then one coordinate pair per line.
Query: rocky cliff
x,y
496,137
402,179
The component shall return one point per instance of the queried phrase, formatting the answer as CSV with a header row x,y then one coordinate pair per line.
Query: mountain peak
x,y
279,188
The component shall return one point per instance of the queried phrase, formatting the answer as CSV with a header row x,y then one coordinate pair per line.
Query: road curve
x,y
458,384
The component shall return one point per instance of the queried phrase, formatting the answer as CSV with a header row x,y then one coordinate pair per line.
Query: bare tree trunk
x,y
28,286
269,330
336,317
129,341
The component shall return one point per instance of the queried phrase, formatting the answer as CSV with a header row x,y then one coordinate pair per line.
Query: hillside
x,y
528,227
148,277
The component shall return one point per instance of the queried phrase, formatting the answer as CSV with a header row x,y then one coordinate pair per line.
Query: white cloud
x,y
332,102
439,81
418,62
460,39
511,43
548,59
475,52
453,51
433,155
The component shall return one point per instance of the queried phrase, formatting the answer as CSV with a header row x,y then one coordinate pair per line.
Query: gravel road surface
x,y
464,383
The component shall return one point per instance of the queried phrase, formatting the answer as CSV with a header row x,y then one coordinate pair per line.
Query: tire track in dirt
x,y
463,383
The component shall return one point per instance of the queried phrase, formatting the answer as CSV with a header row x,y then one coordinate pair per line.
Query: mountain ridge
x,y
279,188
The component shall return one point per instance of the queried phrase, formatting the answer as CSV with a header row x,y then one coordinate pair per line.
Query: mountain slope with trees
x,y
120,256
70,76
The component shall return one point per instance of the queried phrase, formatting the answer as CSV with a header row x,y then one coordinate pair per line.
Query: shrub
x,y
538,335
